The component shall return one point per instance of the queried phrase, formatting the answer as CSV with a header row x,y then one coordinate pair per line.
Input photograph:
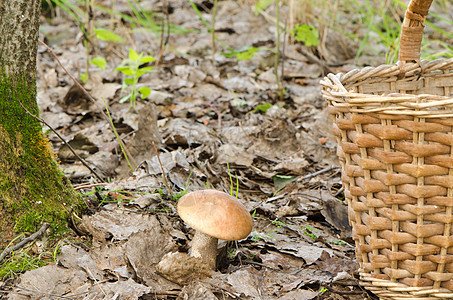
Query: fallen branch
x,y
25,241
87,186
318,172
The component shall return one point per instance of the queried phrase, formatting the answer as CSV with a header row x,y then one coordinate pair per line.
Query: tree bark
x,y
32,188
19,30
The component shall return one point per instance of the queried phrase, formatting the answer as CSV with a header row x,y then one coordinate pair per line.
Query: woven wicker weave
x,y
394,126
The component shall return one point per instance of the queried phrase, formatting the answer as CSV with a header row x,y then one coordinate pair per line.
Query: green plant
x,y
231,253
107,35
210,29
142,18
104,198
175,197
120,142
280,181
262,107
244,53
231,182
21,260
56,251
18,263
250,256
278,223
261,5
338,242
74,11
306,34
99,62
370,23
256,237
308,230
132,68
380,24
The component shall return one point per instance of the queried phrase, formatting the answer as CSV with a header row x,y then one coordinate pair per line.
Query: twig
x,y
58,135
122,146
339,191
167,16
89,97
96,282
73,79
283,61
163,43
214,12
87,186
162,168
313,59
250,262
277,51
25,241
291,19
318,172
275,198
43,293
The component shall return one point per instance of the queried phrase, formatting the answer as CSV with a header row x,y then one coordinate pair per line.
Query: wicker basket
x,y
394,126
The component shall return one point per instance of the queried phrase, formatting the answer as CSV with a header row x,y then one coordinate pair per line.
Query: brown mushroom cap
x,y
216,214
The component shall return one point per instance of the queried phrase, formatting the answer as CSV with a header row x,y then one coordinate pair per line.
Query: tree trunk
x,y
32,188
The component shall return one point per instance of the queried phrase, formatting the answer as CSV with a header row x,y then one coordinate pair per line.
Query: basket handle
x,y
412,30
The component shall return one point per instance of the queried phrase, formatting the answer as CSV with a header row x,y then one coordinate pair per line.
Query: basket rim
x,y
408,69
335,90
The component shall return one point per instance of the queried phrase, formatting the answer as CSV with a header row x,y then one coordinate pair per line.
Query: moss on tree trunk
x,y
32,188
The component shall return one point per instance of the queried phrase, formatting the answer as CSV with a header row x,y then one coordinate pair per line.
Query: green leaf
x,y
247,54
281,180
306,34
133,55
99,62
106,35
262,5
145,70
262,107
124,99
125,70
145,91
129,80
230,54
146,59
84,77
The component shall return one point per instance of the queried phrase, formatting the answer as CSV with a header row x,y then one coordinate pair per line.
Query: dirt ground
x,y
217,122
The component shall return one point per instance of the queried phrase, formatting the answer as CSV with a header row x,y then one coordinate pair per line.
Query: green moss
x,y
32,188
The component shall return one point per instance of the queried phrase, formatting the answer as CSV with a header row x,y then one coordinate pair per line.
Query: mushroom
x,y
214,215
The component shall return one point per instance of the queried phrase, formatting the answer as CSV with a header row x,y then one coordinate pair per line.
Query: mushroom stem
x,y
205,247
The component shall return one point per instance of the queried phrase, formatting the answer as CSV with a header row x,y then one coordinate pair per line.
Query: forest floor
x,y
218,121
